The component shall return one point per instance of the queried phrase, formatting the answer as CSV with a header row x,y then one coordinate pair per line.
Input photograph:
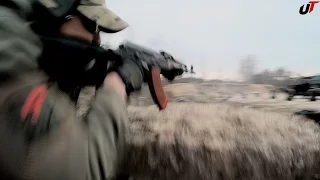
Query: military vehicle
x,y
305,86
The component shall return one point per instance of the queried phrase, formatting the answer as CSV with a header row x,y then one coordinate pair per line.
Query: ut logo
x,y
308,9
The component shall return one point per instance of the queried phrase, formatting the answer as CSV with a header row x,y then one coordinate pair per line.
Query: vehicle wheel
x,y
273,94
290,97
313,98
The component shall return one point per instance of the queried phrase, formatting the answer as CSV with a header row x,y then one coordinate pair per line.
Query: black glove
x,y
170,75
133,75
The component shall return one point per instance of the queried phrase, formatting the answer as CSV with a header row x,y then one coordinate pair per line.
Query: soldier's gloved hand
x,y
133,75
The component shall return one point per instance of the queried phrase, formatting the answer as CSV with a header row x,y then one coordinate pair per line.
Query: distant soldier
x,y
192,72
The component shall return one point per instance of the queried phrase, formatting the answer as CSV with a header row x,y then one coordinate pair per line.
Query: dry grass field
x,y
220,131
219,141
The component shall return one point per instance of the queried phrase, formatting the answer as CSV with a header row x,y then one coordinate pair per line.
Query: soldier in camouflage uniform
x,y
41,137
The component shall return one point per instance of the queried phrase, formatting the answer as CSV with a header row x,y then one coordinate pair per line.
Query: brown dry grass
x,y
259,88
217,141
180,89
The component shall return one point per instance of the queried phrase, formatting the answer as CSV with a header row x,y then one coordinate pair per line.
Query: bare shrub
x,y
219,141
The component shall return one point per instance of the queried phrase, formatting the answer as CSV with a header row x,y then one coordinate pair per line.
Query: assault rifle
x,y
74,64
156,63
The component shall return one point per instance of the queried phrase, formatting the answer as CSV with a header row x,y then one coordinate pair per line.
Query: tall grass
x,y
219,141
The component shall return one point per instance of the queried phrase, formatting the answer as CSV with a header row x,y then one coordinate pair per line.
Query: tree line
x,y
278,77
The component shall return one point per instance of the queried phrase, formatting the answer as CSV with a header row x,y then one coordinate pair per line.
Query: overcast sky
x,y
213,35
